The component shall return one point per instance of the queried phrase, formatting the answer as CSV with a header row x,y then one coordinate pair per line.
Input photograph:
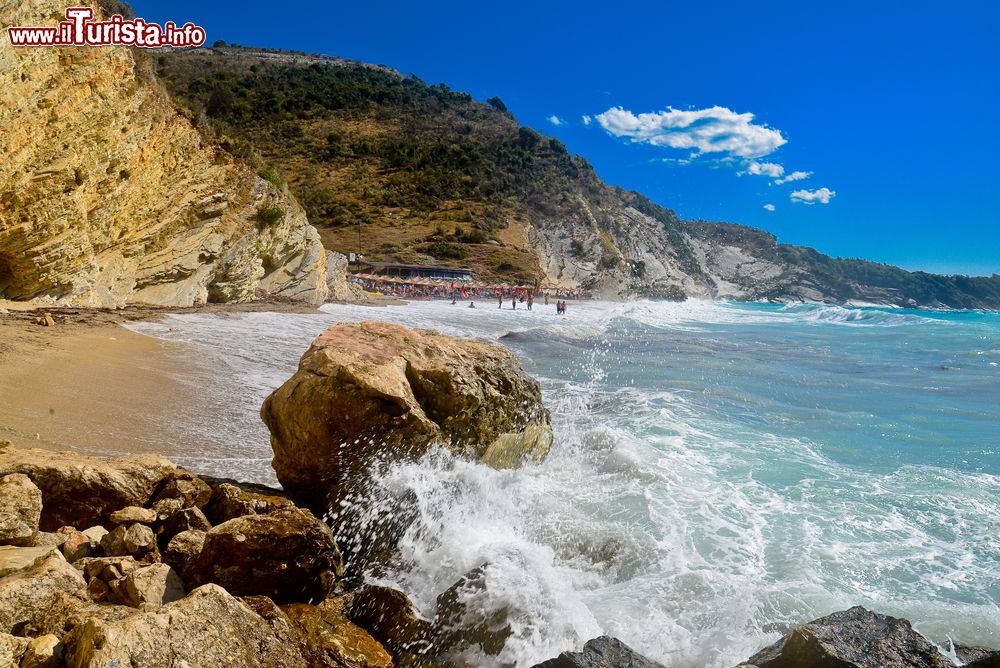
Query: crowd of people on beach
x,y
456,291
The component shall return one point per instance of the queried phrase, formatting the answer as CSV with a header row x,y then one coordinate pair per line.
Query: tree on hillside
x,y
498,104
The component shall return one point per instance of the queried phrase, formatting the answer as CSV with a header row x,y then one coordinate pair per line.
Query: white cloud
x,y
770,207
794,176
771,169
821,195
587,120
672,161
555,120
713,130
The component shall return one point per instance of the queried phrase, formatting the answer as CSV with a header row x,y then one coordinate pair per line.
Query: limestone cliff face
x,y
628,256
109,196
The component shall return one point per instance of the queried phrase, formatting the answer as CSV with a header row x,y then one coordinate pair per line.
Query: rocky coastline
x,y
135,561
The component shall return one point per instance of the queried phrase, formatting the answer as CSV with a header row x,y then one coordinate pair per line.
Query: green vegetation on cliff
x,y
384,163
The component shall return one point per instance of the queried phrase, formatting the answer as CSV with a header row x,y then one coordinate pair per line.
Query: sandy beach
x,y
89,384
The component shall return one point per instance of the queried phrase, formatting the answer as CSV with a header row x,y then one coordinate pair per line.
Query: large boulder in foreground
x,y
855,638
603,652
371,391
82,491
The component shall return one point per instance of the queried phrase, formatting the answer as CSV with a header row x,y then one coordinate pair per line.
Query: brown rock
x,y
152,586
278,622
164,508
192,491
855,638
287,555
208,627
43,652
20,510
133,514
98,590
189,519
389,615
136,540
230,501
13,559
372,392
108,569
45,320
12,649
78,545
509,451
83,491
50,539
182,551
330,639
82,544
95,533
38,599
117,568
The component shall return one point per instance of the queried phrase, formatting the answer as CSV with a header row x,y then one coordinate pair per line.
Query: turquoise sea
x,y
720,472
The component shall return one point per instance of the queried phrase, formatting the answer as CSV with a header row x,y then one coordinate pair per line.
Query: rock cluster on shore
x,y
141,576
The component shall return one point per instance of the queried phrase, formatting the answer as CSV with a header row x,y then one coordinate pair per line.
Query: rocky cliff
x,y
108,195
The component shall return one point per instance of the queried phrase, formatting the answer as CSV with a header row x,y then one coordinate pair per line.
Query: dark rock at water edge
x,y
603,652
855,638
328,638
389,615
460,623
978,657
92,597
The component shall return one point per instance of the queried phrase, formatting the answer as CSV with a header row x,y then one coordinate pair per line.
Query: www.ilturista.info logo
x,y
79,30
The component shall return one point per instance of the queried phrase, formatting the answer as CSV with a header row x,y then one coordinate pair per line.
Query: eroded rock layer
x,y
109,196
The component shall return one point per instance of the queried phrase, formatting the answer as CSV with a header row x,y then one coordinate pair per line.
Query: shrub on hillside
x,y
270,214
271,175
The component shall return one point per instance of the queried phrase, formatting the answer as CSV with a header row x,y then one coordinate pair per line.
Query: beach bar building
x,y
411,271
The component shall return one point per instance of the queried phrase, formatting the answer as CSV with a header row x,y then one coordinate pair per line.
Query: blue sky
x,y
890,107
